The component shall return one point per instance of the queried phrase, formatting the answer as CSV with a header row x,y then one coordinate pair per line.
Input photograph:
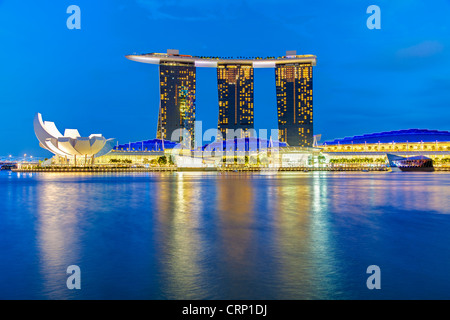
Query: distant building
x,y
235,86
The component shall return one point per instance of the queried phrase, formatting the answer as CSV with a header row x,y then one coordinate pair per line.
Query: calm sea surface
x,y
225,236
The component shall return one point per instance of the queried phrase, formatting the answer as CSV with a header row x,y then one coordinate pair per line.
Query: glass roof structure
x,y
146,145
243,144
409,135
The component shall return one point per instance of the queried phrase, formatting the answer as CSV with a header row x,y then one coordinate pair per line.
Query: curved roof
x,y
71,144
243,144
410,135
146,145
212,62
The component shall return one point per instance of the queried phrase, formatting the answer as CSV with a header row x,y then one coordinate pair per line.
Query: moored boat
x,y
418,163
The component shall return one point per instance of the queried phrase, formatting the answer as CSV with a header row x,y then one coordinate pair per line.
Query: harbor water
x,y
191,235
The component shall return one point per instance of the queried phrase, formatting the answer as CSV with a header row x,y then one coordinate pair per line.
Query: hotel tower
x,y
293,77
295,103
177,103
235,86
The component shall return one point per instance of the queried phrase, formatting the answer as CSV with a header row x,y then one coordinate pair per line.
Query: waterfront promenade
x,y
200,169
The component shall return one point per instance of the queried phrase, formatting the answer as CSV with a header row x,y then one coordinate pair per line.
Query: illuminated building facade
x,y
138,152
402,142
235,87
177,103
375,148
295,103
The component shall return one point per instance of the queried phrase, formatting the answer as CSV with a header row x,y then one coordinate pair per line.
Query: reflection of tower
x,y
235,202
292,235
294,102
235,86
180,246
177,104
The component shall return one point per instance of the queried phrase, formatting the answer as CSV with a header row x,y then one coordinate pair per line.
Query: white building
x,y
70,147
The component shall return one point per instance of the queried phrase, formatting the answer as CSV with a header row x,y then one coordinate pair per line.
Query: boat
x,y
8,166
392,158
417,163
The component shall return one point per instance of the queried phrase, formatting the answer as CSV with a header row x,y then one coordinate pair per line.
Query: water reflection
x,y
237,250
180,204
326,263
292,201
304,246
225,236
234,203
60,206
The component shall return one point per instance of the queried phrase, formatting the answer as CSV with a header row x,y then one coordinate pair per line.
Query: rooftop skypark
x,y
212,61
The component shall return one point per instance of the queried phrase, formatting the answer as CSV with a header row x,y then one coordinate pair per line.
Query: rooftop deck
x,y
213,62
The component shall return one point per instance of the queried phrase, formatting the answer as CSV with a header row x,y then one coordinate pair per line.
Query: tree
x,y
162,160
321,158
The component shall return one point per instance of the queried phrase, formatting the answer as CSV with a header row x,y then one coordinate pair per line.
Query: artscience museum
x,y
70,148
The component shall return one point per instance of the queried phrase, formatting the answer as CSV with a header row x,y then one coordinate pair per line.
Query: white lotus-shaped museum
x,y
71,144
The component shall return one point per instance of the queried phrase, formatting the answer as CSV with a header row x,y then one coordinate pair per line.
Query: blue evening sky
x,y
365,80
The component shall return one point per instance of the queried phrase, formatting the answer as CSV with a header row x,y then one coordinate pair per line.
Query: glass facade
x,y
244,144
295,103
146,145
410,140
177,103
235,86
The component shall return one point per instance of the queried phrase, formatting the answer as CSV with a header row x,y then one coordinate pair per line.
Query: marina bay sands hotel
x,y
293,76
